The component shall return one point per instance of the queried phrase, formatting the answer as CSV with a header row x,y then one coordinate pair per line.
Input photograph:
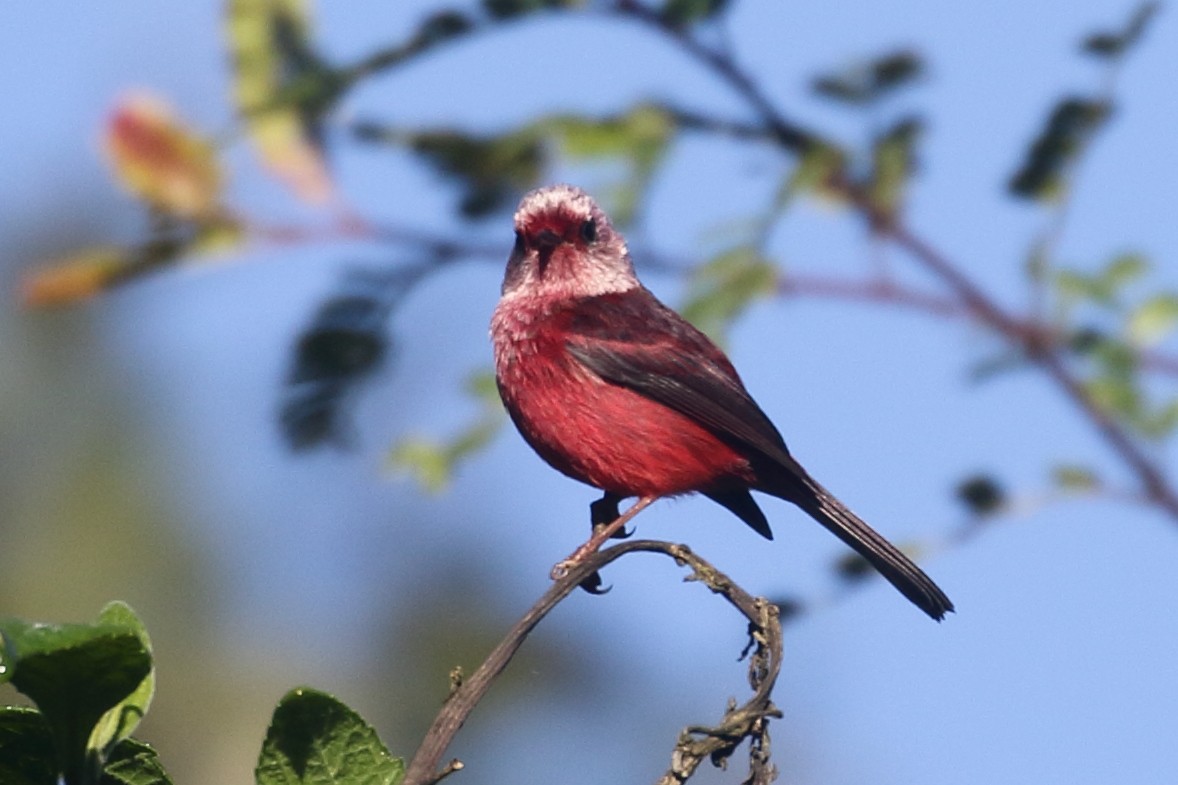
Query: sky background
x,y
141,459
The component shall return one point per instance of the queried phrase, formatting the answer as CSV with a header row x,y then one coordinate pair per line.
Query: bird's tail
x,y
900,571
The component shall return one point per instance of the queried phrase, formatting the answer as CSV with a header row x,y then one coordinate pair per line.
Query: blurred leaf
x,y
316,740
869,82
682,13
26,748
1116,358
482,385
506,9
345,343
442,26
640,137
894,160
121,720
981,494
93,270
426,460
1115,44
1005,361
1085,340
1072,124
1115,394
788,608
431,462
852,567
1153,319
1125,269
282,90
817,170
73,278
1075,478
722,289
75,673
161,161
1159,422
494,169
134,763
1104,287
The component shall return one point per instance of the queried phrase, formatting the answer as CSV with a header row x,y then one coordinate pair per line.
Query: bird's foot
x,y
601,533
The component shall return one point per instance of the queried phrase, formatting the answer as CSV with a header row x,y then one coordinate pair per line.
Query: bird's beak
x,y
546,242
546,238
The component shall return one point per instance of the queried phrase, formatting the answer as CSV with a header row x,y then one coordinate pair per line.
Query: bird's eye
x,y
589,230
519,244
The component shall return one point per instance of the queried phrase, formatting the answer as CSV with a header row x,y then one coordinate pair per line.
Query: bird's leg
x,y
601,533
605,511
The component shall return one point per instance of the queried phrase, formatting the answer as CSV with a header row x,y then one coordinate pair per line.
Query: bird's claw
x,y
592,584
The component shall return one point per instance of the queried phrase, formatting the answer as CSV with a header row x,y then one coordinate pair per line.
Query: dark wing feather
x,y
634,341
669,361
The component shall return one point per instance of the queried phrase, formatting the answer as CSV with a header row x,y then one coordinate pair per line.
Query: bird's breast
x,y
602,434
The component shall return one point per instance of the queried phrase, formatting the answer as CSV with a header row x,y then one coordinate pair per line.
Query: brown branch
x,y
1151,476
696,743
795,139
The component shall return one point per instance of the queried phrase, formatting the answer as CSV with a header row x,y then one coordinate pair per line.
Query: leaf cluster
x,y
93,683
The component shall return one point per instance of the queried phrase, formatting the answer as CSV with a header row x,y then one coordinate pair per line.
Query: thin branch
x,y
696,743
790,135
1151,476
794,138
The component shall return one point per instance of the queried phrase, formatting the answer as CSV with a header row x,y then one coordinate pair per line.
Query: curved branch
x,y
695,743
972,297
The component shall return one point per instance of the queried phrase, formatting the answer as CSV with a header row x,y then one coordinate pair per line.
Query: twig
x,y
795,139
696,743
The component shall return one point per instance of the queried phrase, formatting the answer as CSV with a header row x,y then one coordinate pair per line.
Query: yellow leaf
x,y
73,278
160,161
267,39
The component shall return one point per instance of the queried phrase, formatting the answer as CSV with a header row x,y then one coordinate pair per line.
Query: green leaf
x,y
118,723
1075,478
722,289
981,494
894,160
425,459
1115,44
26,748
1104,287
1159,422
1153,319
815,173
508,9
482,385
493,169
316,740
681,13
639,137
75,673
1116,394
1043,173
282,90
1124,269
132,762
863,84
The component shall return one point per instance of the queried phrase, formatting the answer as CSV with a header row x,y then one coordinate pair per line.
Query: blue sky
x,y
1059,663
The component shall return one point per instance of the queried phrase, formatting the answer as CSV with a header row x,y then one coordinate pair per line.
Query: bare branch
x,y
696,743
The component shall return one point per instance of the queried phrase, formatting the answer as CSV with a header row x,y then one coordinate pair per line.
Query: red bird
x,y
615,389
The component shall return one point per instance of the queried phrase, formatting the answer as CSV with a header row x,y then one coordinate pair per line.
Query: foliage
x,y
1093,332
92,684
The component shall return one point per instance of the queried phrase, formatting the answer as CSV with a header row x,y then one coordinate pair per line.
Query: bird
x,y
616,390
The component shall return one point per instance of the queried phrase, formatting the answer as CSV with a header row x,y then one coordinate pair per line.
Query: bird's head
x,y
565,247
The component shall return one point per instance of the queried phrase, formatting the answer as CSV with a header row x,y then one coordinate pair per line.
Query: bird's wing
x,y
658,354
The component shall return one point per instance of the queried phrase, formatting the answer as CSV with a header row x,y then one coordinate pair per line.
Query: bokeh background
x,y
140,458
